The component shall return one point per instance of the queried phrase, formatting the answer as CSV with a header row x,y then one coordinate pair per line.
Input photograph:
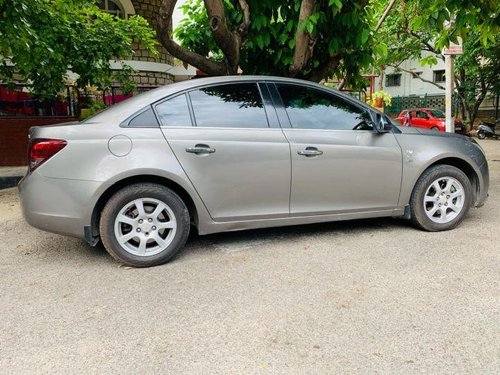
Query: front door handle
x,y
200,149
310,151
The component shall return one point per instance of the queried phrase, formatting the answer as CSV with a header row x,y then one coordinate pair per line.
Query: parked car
x,y
428,118
232,153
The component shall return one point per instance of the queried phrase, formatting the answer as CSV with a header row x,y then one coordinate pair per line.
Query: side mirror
x,y
380,122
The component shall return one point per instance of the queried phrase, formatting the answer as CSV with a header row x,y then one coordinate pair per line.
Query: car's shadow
x,y
241,240
230,242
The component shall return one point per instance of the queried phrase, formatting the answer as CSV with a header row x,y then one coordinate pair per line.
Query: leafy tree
x,y
477,74
416,26
45,38
297,38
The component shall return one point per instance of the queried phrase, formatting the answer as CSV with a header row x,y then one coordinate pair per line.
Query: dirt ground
x,y
370,296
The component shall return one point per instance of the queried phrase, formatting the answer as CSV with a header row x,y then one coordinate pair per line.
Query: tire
x,y
481,134
448,195
435,128
144,225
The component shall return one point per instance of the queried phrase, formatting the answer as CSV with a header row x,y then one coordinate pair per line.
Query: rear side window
x,y
229,106
174,112
146,119
310,108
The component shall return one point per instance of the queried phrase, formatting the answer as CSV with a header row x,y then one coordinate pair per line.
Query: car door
x,y
237,161
340,164
421,119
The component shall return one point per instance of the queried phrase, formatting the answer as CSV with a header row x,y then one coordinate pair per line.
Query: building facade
x,y
19,111
403,83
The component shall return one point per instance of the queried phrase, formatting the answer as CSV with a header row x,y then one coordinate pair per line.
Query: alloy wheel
x,y
145,227
444,200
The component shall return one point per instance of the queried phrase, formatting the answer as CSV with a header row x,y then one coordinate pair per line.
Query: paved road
x,y
371,296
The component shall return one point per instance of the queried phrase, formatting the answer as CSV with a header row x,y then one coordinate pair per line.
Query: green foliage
x,y
415,26
454,19
386,97
95,106
477,72
337,27
45,38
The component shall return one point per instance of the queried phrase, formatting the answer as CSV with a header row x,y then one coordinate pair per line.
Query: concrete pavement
x,y
361,297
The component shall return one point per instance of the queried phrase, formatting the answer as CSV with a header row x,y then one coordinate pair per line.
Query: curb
x,y
9,182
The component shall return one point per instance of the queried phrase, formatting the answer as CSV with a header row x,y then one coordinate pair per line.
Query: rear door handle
x,y
200,149
310,151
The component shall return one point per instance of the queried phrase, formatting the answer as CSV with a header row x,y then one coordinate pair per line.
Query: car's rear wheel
x,y
441,198
144,225
435,128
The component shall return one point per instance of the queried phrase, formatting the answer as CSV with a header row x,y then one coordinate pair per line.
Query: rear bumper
x,y
57,205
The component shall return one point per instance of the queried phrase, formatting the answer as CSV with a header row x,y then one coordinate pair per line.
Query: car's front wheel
x,y
441,198
144,225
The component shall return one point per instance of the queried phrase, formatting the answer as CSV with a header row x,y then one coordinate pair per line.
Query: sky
x,y
177,16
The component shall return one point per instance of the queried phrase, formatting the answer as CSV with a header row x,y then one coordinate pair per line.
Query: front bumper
x,y
484,183
57,205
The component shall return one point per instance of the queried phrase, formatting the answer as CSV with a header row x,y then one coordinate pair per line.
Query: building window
x,y
416,75
439,76
112,7
393,80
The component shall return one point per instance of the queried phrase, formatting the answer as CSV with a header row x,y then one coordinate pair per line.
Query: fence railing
x,y
424,101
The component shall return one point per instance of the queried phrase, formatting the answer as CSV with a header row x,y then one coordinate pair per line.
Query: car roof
x,y
421,109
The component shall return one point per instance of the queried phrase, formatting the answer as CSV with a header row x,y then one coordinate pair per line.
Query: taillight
x,y
40,150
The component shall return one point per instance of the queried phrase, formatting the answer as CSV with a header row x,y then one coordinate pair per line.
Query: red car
x,y
429,118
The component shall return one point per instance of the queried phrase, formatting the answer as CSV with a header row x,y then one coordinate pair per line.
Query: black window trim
x,y
283,121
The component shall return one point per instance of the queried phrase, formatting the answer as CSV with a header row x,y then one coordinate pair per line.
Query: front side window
x,y
174,112
236,105
310,108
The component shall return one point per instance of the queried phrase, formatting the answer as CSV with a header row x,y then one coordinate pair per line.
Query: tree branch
x,y
163,26
245,24
227,41
414,75
304,44
325,69
384,15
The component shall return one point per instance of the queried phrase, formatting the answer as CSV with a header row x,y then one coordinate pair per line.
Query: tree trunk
x,y
303,41
324,70
227,41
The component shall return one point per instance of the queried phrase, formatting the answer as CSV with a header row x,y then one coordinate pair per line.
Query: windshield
x,y
437,113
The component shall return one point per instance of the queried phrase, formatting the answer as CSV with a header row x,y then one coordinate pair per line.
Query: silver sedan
x,y
233,153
